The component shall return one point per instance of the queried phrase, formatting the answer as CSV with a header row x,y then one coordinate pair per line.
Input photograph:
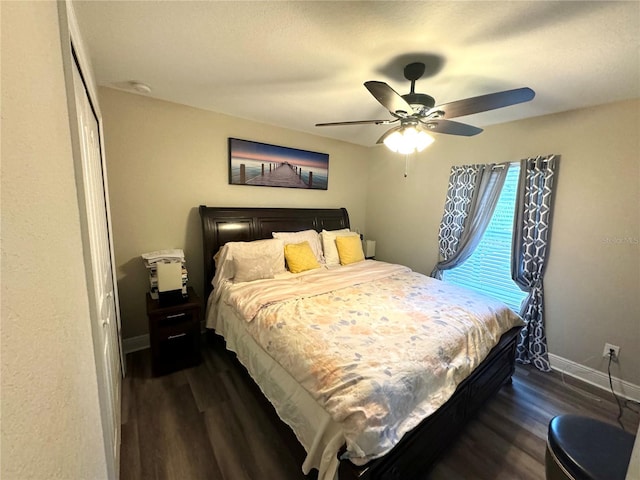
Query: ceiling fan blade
x,y
482,103
441,125
389,98
357,122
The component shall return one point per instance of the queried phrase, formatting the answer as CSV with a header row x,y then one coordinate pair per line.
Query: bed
x,y
339,443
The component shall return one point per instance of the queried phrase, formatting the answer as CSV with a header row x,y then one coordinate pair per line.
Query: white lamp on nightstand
x,y
369,248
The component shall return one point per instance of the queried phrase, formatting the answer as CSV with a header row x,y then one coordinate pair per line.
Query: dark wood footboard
x,y
420,449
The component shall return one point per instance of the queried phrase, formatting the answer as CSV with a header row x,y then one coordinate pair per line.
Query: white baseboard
x,y
133,344
595,377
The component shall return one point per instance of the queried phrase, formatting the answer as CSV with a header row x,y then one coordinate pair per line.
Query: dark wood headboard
x,y
239,224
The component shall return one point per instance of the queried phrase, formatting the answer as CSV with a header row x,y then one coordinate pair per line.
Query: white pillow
x,y
331,256
248,261
310,236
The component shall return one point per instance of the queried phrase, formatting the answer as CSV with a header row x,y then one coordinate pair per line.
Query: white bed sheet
x,y
320,436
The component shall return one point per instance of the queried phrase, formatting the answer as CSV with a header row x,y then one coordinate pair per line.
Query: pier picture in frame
x,y
254,163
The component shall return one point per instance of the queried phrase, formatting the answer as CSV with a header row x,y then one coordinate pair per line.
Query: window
x,y
488,269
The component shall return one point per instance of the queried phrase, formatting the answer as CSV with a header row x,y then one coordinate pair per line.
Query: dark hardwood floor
x,y
211,422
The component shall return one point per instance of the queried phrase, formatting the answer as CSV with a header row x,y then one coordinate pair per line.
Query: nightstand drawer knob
x,y
177,315
171,337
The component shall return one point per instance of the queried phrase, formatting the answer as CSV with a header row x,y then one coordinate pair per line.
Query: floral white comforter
x,y
378,346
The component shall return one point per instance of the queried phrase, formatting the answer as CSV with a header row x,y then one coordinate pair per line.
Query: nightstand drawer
x,y
167,332
177,352
175,318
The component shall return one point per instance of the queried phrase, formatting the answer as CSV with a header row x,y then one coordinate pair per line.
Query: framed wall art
x,y
262,164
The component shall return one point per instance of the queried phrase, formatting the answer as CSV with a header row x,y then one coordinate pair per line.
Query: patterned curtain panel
x,y
532,225
471,199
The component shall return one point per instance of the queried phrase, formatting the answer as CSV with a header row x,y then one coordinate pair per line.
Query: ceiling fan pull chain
x,y
406,165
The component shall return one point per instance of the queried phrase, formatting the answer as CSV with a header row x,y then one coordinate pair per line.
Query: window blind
x,y
488,269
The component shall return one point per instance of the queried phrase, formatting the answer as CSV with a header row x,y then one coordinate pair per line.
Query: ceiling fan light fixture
x,y
408,140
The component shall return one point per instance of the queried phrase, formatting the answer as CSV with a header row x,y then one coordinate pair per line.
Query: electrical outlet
x,y
616,351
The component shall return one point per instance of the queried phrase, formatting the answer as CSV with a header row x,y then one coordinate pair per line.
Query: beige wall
x,y
592,283
51,426
165,159
593,277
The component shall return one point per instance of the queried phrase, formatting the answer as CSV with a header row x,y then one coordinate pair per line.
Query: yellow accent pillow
x,y
300,257
349,249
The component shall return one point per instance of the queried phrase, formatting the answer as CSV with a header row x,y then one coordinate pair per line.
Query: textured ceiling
x,y
294,64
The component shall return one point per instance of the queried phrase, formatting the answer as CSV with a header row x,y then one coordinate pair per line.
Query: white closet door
x,y
101,284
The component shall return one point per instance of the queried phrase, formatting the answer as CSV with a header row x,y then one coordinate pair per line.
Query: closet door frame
x,y
74,56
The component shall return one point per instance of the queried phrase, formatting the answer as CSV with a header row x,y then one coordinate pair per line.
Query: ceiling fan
x,y
418,113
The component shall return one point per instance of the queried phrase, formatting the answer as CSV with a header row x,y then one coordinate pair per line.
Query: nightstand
x,y
174,333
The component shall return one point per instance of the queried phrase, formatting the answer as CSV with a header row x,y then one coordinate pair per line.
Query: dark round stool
x,y
582,448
